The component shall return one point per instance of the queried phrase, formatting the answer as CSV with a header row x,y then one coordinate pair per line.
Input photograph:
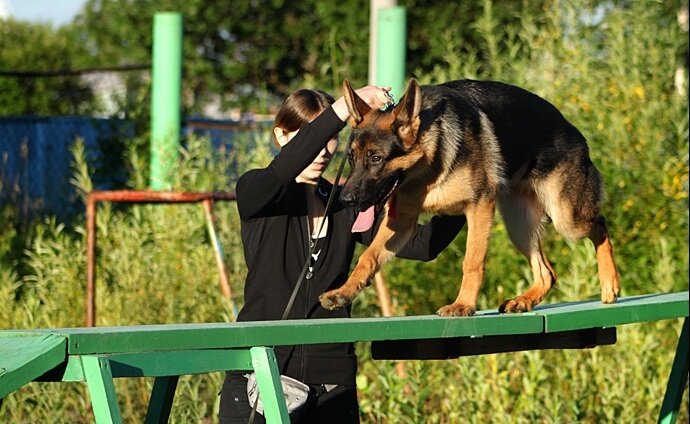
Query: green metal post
x,y
677,380
270,389
161,400
390,49
99,380
165,97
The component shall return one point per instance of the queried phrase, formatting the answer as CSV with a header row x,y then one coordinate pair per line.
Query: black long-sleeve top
x,y
273,214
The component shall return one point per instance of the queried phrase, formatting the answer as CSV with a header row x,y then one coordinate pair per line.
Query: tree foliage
x,y
238,48
616,69
38,47
234,49
251,53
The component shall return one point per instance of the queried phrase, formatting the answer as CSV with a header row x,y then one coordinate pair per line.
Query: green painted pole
x,y
270,388
677,380
165,98
390,49
99,380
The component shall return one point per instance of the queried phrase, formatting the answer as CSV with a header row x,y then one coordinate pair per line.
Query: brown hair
x,y
299,108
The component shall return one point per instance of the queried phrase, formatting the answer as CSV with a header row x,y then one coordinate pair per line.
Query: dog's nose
x,y
347,198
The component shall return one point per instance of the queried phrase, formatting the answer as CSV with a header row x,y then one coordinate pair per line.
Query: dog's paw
x,y
333,300
519,304
456,310
609,296
611,290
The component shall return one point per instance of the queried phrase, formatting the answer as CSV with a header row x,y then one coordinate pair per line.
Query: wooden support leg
x,y
99,380
677,380
270,389
161,399
218,249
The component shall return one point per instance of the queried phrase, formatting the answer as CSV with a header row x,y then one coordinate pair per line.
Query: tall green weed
x,y
609,67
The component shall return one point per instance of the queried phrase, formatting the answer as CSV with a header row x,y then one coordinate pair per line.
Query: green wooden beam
x,y
99,354
677,380
270,390
628,310
157,364
99,381
455,347
274,333
26,356
161,400
545,318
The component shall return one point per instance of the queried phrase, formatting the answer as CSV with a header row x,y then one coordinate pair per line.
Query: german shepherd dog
x,y
464,147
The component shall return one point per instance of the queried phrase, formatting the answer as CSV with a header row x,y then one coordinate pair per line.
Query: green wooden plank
x,y
275,333
99,381
270,388
677,380
590,314
164,363
196,361
161,400
560,317
73,371
26,356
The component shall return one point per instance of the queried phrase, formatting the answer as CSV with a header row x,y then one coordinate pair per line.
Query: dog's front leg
x,y
390,238
479,222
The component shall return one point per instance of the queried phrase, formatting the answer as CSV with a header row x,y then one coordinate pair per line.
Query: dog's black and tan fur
x,y
464,147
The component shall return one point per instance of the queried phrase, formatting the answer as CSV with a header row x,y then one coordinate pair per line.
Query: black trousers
x,y
338,406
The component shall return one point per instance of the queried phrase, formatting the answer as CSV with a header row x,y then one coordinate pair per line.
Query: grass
x,y
613,78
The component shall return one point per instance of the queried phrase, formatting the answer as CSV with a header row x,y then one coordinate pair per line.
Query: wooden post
x,y
218,249
144,196
90,261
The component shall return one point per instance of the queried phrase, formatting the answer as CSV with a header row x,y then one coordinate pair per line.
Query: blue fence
x,y
36,158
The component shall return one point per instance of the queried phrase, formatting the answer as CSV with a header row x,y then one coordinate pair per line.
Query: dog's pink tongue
x,y
364,221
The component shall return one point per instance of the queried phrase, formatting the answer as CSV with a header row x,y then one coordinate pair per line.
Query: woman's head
x,y
300,108
297,110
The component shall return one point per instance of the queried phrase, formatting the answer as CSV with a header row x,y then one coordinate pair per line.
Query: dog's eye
x,y
376,159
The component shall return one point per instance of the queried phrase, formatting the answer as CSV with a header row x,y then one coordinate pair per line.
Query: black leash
x,y
391,102
331,195
302,274
312,247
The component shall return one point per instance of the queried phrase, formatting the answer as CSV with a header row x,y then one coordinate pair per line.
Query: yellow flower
x,y
628,204
638,91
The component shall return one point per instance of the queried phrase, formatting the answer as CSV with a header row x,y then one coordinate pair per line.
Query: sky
x,y
56,12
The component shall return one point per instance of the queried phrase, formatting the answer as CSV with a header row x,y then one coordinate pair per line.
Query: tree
x,y
239,49
38,47
235,49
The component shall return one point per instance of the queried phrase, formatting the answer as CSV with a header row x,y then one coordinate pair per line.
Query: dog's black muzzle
x,y
347,198
379,195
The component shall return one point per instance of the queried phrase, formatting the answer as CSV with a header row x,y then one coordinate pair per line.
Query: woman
x,y
281,209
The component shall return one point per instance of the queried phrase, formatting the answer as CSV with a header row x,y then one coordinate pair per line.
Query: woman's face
x,y
314,170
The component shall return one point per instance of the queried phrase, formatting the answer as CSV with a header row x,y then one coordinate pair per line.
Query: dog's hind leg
x,y
608,275
523,217
479,222
572,196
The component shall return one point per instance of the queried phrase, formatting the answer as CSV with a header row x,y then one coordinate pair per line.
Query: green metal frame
x,y
98,355
99,380
677,380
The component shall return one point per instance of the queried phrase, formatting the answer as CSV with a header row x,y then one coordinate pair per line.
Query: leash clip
x,y
389,103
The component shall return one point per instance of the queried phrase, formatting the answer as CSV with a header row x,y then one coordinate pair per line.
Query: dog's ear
x,y
355,105
407,114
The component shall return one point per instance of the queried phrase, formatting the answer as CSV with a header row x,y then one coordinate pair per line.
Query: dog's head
x,y
382,146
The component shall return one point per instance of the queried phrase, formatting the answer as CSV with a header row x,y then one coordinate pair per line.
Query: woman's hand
x,y
375,96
